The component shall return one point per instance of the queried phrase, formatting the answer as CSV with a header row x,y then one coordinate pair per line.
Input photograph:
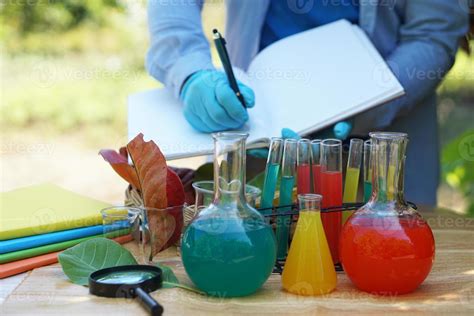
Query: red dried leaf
x,y
176,198
167,224
187,178
150,165
160,187
123,151
174,189
152,174
120,164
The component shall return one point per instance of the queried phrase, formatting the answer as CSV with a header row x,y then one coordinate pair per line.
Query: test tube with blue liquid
x,y
288,173
271,174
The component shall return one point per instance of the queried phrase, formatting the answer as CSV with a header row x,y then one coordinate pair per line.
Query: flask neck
x,y
388,163
309,202
229,167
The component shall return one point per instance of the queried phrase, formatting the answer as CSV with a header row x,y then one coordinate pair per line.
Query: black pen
x,y
224,56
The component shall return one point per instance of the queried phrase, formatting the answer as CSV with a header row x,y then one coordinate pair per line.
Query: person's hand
x,y
340,131
210,104
286,133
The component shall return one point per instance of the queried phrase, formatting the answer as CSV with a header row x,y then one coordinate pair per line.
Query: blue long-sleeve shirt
x,y
285,18
417,38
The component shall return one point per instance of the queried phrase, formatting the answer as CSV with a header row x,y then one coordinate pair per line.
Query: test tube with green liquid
x,y
351,182
288,172
367,170
271,174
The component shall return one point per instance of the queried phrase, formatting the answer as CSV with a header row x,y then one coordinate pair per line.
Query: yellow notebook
x,y
45,208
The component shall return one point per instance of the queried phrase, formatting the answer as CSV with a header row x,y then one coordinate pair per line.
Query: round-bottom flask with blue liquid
x,y
229,250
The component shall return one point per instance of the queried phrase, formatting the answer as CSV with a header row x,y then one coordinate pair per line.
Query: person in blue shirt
x,y
417,38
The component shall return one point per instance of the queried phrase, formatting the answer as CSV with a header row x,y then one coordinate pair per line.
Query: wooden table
x,y
448,289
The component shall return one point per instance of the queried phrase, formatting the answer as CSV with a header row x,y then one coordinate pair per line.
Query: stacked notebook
x,y
38,222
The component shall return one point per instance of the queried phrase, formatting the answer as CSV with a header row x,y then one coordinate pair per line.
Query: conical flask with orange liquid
x,y
309,269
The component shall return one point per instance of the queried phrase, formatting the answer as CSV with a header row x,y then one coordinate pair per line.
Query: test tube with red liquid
x,y
331,190
303,163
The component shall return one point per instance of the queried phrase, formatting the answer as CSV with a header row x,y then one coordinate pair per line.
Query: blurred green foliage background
x,y
68,66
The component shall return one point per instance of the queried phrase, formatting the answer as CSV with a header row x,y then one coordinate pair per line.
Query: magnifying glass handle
x,y
149,302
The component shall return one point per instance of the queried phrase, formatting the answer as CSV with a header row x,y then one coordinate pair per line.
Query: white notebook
x,y
305,82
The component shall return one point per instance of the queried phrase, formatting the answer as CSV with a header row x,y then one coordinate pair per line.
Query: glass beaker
x,y
228,249
386,247
160,229
120,220
205,194
309,269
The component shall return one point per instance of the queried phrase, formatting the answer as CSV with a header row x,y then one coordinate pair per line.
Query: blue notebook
x,y
49,238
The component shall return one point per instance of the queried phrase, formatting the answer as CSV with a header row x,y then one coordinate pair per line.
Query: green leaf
x,y
204,172
170,280
168,276
259,179
80,261
458,166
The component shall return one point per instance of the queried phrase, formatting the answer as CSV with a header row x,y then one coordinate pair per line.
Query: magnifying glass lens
x,y
126,277
129,281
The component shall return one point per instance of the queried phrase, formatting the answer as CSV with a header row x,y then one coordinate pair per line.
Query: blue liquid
x,y
367,190
269,187
283,222
228,257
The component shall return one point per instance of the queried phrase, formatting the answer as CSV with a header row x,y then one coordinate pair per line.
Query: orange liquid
x,y
387,255
317,179
304,178
331,190
308,268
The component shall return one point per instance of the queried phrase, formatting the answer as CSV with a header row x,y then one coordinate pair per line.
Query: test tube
x,y
316,165
331,188
351,183
367,170
288,172
303,163
271,174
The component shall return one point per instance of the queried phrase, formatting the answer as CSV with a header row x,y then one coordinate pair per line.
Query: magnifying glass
x,y
129,281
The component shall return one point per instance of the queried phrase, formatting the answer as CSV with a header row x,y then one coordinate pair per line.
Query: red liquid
x,y
331,190
387,255
317,179
304,179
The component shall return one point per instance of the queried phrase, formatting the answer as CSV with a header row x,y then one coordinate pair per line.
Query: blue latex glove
x,y
340,131
286,133
210,104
